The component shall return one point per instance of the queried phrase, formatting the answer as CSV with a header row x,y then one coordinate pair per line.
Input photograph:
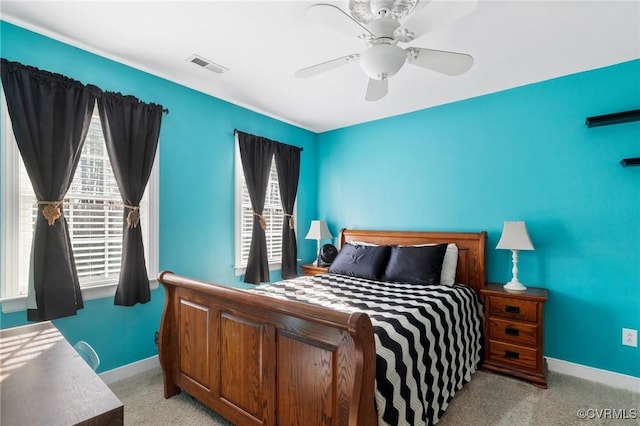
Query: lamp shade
x,y
318,231
515,237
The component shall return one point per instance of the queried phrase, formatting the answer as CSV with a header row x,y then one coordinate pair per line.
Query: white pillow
x,y
449,263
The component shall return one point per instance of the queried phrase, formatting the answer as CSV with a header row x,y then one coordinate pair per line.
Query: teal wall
x,y
196,188
522,154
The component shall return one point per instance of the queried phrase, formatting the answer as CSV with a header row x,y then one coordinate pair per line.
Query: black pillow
x,y
360,261
415,265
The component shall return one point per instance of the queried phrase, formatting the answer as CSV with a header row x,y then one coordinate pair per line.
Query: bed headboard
x,y
471,247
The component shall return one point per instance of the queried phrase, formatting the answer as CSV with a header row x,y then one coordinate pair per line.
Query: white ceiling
x,y
264,42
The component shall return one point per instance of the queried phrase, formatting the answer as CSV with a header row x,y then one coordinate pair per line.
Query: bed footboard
x,y
259,360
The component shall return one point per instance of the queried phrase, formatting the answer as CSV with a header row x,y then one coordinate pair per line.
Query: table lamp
x,y
318,231
515,237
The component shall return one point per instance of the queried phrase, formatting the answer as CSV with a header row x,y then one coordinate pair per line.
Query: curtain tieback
x,y
51,210
263,223
290,216
133,218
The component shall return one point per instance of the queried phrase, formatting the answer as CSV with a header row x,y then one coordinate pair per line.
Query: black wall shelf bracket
x,y
615,118
635,161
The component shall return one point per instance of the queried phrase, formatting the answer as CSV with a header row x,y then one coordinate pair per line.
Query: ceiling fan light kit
x,y
382,61
378,24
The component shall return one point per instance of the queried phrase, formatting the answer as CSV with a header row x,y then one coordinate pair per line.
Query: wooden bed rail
x,y
261,360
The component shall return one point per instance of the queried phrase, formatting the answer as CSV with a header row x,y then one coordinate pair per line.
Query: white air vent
x,y
205,63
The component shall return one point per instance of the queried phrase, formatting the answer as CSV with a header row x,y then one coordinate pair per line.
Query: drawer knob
x,y
511,355
511,331
512,309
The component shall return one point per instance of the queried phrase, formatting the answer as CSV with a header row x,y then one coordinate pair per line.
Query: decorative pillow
x,y
360,261
415,265
449,264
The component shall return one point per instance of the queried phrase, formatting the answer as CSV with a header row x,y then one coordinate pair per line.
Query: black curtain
x,y
256,154
131,129
50,114
288,164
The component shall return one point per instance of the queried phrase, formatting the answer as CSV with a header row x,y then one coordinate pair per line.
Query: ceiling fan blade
x,y
436,13
449,63
326,66
338,19
376,89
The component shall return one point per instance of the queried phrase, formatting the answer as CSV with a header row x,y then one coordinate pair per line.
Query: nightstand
x,y
310,269
513,332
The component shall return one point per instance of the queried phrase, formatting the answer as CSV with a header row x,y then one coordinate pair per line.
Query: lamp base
x,y
317,261
514,284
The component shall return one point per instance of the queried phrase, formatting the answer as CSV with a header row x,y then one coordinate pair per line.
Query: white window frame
x,y
240,267
9,224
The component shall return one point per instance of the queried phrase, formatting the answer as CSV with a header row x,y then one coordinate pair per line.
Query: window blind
x,y
273,215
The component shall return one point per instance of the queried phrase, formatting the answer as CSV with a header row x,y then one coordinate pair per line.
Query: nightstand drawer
x,y
515,332
508,307
513,354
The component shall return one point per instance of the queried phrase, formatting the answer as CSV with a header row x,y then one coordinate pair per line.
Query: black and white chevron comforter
x,y
427,338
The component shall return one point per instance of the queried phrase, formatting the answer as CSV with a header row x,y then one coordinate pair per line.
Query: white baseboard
x,y
609,378
129,370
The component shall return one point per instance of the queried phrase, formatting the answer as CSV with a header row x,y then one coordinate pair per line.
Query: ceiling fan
x,y
382,24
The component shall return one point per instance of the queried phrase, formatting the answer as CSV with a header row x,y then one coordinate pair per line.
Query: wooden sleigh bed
x,y
259,360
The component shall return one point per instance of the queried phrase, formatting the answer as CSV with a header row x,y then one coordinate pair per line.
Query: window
x,y
94,212
273,215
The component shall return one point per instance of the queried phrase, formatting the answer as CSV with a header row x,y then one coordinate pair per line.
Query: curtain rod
x,y
99,92
96,90
235,131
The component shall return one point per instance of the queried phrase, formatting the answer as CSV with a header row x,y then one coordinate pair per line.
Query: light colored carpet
x,y
144,404
488,400
495,400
